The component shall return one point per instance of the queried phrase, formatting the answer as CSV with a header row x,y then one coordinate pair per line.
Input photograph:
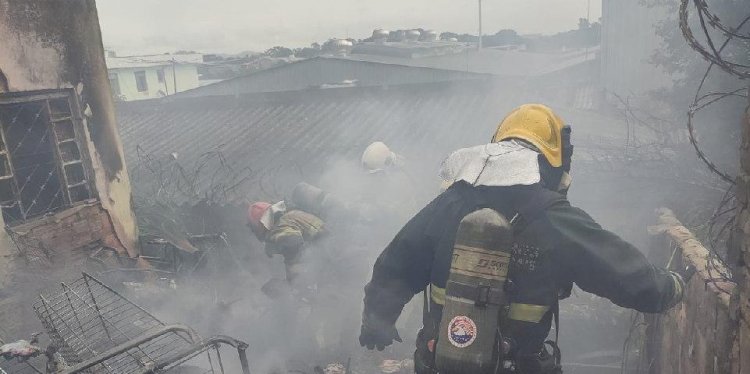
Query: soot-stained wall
x,y
57,44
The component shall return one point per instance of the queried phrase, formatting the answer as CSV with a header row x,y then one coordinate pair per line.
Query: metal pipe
x,y
124,347
210,342
479,44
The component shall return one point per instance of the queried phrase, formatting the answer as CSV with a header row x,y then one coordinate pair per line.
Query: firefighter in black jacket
x,y
523,175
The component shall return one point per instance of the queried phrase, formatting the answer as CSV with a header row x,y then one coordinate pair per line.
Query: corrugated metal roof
x,y
492,61
298,134
309,129
328,71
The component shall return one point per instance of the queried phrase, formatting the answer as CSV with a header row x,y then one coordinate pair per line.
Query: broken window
x,y
41,163
140,81
114,84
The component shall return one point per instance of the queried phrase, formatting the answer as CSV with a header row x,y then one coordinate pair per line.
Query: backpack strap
x,y
531,204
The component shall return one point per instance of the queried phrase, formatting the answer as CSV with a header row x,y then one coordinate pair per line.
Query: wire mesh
x,y
86,317
29,365
35,365
30,248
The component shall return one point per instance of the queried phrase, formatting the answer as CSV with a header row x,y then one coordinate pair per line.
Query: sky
x,y
230,26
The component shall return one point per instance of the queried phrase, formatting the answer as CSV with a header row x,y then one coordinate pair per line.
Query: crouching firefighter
x,y
285,232
497,250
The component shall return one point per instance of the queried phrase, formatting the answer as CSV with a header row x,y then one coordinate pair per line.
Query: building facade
x,y
63,180
151,77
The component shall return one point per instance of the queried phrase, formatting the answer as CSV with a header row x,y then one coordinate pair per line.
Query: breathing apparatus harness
x,y
554,179
547,362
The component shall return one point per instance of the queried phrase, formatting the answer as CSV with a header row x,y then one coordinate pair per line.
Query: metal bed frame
x,y
97,330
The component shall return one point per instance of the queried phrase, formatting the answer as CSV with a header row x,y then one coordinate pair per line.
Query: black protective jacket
x,y
555,246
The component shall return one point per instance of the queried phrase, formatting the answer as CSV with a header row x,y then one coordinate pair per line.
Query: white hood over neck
x,y
506,163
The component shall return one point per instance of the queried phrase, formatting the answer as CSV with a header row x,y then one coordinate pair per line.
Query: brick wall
x,y
61,235
699,335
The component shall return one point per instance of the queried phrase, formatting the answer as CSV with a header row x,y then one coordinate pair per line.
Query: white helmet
x,y
377,156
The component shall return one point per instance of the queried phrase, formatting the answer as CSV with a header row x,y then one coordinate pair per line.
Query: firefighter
x,y
284,232
378,158
388,189
523,175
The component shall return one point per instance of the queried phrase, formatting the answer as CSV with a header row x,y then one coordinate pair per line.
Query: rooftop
x,y
132,62
329,72
511,63
295,136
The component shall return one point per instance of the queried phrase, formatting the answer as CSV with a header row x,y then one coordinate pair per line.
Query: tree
x,y
718,125
448,35
502,37
307,52
279,52
583,24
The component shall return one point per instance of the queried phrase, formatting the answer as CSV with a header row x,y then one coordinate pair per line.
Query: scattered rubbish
x,y
334,368
396,366
21,350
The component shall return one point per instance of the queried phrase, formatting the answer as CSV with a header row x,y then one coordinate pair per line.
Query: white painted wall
x,y
187,78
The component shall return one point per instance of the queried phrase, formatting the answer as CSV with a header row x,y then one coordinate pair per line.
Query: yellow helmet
x,y
538,125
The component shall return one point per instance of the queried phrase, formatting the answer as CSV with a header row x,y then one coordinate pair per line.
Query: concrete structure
x,y
741,248
628,41
53,84
150,77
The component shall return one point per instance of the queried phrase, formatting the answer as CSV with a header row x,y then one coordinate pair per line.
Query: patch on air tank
x,y
462,331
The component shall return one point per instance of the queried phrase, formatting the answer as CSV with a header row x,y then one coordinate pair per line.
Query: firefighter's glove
x,y
678,288
376,333
687,273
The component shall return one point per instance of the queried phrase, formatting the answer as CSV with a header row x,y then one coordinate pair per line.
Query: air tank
x,y
314,200
475,300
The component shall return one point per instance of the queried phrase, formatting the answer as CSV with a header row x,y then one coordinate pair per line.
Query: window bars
x,y
97,330
41,164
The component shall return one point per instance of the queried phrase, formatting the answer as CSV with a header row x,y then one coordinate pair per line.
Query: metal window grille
x,y
97,330
41,163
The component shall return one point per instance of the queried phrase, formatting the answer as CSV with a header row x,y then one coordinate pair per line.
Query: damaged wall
x,y
55,45
70,229
740,251
699,335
